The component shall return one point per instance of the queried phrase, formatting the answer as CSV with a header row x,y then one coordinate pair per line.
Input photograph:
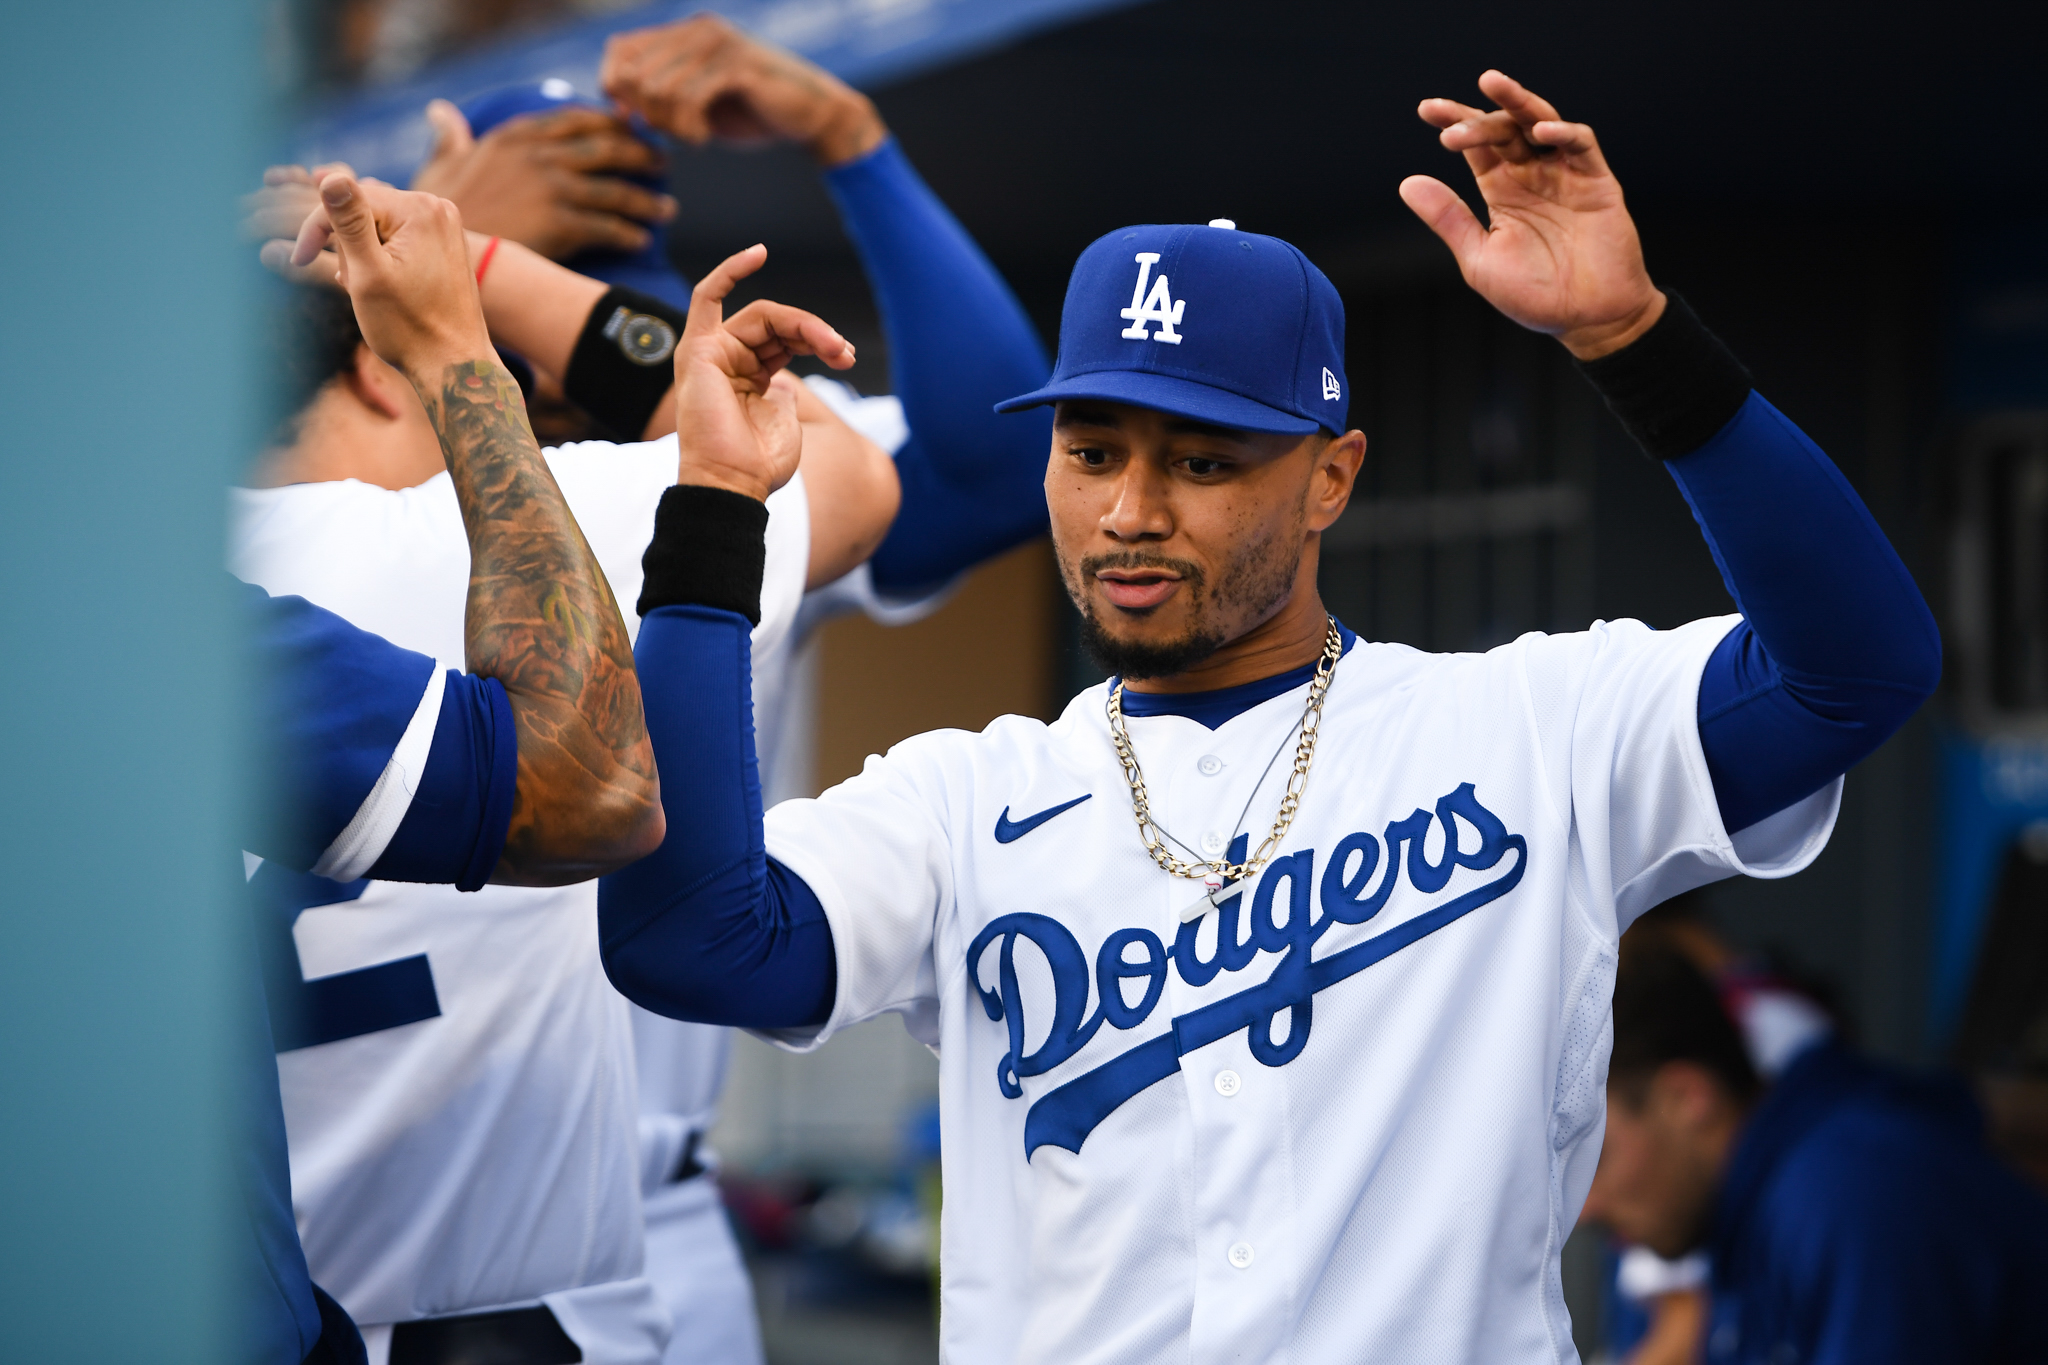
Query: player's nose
x,y
1138,509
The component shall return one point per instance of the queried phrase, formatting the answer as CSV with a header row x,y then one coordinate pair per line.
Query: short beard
x,y
1254,583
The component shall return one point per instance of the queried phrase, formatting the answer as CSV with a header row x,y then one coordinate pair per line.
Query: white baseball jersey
x,y
488,1155
1352,1113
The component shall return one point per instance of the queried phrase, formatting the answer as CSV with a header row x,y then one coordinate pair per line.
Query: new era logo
x,y
1331,391
1158,306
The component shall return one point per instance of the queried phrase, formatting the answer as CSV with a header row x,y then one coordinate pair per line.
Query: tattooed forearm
x,y
541,620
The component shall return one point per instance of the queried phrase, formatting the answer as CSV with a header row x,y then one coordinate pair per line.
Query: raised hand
x,y
550,181
702,79
1560,253
736,422
405,264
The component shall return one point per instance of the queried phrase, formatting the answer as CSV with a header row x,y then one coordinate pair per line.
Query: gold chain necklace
x,y
1304,754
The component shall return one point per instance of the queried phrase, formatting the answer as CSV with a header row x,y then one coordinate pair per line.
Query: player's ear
x,y
1334,477
379,387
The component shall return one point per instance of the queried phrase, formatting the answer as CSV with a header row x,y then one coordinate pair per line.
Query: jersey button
x,y
1208,765
1214,843
1228,1083
1240,1254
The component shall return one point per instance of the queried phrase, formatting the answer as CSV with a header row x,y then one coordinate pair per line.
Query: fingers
x,y
777,333
324,270
1448,216
609,194
351,225
585,139
1525,105
452,136
1573,139
577,229
707,300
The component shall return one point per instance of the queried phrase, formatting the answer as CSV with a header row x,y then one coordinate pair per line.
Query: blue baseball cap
x,y
648,269
1222,326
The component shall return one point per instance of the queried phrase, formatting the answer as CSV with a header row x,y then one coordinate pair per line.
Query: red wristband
x,y
483,262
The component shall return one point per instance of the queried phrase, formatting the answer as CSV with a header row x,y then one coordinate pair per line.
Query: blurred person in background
x,y
533,767
1853,1213
1663,1301
969,485
465,1156
574,179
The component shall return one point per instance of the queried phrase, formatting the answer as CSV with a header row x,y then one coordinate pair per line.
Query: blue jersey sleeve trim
x,y
455,829
708,928
333,702
973,481
1837,648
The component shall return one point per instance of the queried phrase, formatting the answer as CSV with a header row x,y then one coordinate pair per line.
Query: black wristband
x,y
621,367
1674,386
710,549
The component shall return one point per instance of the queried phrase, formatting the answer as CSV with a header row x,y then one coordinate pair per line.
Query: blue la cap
x,y
1211,323
648,269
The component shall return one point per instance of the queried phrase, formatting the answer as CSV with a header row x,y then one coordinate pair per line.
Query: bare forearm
x,y
541,620
534,306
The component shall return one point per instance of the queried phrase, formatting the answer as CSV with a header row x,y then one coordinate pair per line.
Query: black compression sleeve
x,y
1674,386
622,365
710,549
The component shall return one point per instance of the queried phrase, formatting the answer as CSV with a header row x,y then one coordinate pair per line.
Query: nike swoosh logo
x,y
1009,831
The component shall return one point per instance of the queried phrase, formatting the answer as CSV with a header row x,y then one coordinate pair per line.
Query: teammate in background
x,y
537,161
557,175
532,767
1196,1101
969,486
461,1108
1855,1214
1663,1309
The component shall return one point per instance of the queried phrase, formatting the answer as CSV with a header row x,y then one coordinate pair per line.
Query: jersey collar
x,y
1212,709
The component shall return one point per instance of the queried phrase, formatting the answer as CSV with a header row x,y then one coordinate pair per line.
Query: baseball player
x,y
375,1207
534,767
463,1128
544,166
1271,982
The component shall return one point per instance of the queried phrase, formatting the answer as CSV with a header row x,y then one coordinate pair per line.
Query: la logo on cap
x,y
1158,306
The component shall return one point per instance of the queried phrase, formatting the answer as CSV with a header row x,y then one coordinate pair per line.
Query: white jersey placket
x,y
1242,1182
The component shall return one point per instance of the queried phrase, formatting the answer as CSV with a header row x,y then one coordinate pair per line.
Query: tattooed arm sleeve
x,y
541,620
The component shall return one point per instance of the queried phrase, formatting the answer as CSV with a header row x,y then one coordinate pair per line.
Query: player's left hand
x,y
736,422
702,80
1560,254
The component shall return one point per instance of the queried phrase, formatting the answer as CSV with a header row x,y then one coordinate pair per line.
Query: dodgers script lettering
x,y
1280,922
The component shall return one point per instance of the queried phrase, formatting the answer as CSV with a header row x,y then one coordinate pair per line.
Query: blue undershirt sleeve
x,y
708,928
959,343
454,830
1837,648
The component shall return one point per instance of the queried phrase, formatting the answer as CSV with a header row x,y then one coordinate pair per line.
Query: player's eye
x,y
1095,457
1201,466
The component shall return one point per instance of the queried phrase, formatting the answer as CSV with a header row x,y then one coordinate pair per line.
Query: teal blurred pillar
x,y
125,129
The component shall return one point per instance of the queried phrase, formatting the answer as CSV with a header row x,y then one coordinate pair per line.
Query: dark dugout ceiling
x,y
1298,118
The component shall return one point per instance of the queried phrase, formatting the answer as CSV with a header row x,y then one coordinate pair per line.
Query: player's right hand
x,y
548,181
736,422
405,265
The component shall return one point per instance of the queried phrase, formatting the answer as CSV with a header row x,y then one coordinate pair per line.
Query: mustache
x,y
1131,560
